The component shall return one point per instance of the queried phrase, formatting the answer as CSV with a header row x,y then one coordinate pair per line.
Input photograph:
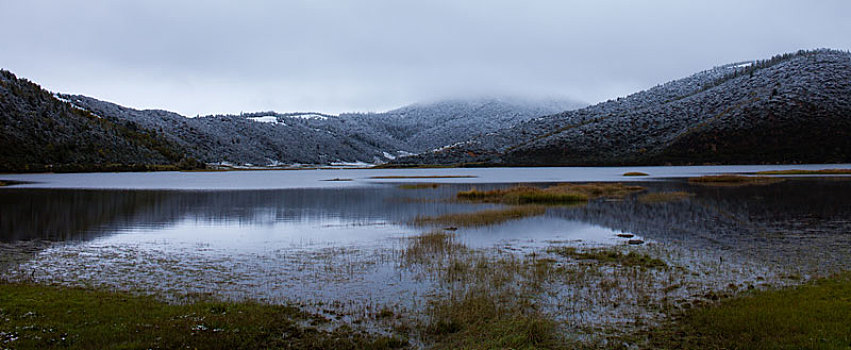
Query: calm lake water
x,y
293,236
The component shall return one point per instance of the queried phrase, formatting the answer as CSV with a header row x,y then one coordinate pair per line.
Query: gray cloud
x,y
222,56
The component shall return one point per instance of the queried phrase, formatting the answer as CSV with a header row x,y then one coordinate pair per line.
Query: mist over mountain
x,y
792,108
42,131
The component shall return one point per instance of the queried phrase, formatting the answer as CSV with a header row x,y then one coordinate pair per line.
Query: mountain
x,y
39,131
792,108
315,138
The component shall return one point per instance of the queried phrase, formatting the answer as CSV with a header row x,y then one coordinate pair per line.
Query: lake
x,y
346,242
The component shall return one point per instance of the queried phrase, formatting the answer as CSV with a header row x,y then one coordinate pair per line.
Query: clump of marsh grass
x,y
733,180
558,194
481,218
610,256
660,197
635,173
420,186
430,247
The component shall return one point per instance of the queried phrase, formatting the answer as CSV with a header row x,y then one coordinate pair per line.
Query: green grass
x,y
635,173
481,218
661,197
558,194
48,317
806,172
813,316
733,180
610,256
421,186
485,321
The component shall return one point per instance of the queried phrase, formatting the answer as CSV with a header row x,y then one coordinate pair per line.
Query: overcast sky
x,y
205,57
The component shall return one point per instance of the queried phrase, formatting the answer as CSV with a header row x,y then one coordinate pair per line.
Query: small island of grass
x,y
392,177
635,173
558,194
733,180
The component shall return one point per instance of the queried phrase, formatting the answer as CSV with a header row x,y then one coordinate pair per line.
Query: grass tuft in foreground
x,y
558,194
661,197
482,218
46,317
813,316
733,180
806,172
610,256
483,320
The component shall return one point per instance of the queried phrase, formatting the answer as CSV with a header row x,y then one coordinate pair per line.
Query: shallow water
x,y
284,179
303,240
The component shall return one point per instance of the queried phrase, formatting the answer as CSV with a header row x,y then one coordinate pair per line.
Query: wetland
x,y
442,258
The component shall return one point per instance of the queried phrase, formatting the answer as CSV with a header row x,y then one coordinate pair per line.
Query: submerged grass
x,y
558,194
482,218
635,173
733,180
45,317
806,172
610,256
421,186
660,197
813,316
430,247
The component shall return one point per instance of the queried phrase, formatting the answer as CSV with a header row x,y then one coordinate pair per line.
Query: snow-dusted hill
x,y
313,138
787,109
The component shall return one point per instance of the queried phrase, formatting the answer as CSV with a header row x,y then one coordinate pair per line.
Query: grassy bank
x,y
813,316
45,317
806,172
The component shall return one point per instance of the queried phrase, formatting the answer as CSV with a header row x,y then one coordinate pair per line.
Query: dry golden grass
x,y
558,194
660,197
482,218
418,186
733,180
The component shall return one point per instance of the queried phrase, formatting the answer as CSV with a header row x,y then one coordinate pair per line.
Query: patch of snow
x,y
56,96
266,119
742,65
351,164
308,116
388,155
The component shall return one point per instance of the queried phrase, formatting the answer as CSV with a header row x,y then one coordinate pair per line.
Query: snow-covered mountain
x,y
269,138
787,109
